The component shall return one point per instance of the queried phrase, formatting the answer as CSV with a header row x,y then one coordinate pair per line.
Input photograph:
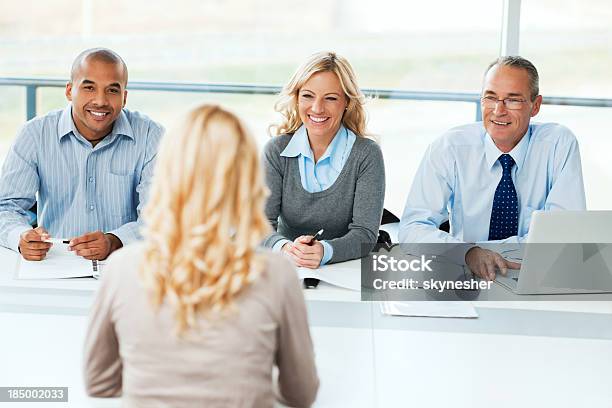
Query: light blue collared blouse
x,y
321,175
78,188
460,172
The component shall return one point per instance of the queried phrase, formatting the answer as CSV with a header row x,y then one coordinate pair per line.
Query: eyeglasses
x,y
490,102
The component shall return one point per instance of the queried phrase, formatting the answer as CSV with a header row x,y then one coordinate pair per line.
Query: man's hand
x,y
31,244
304,254
483,262
95,245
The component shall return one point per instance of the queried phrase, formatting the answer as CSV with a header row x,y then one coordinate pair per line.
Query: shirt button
x,y
91,207
91,179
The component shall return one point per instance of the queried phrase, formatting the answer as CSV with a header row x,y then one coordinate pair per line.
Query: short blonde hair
x,y
354,118
204,218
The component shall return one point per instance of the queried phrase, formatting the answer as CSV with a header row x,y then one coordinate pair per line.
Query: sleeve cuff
x,y
279,245
14,236
328,252
127,233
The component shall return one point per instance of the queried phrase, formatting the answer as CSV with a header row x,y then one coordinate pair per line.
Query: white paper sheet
x,y
429,309
345,274
59,263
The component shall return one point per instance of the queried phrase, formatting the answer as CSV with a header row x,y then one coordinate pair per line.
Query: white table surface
x,y
554,353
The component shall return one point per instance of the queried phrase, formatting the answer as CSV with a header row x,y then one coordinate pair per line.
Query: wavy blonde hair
x,y
204,218
354,117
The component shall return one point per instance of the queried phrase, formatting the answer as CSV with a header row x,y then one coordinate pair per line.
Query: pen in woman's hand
x,y
315,237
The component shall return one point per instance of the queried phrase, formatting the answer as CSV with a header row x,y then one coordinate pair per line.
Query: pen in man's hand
x,y
57,240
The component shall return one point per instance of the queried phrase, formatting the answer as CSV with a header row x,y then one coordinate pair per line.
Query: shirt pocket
x,y
124,159
120,197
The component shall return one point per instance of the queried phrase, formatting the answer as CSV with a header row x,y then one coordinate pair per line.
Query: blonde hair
x,y
204,218
354,117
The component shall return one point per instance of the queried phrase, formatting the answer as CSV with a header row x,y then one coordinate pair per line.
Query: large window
x,y
570,41
397,45
571,44
412,45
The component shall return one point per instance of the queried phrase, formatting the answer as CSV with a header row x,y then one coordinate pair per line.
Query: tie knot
x,y
506,161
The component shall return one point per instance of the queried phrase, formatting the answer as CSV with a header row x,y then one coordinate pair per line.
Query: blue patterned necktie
x,y
504,215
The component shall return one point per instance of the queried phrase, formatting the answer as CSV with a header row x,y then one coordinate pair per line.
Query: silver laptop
x,y
566,252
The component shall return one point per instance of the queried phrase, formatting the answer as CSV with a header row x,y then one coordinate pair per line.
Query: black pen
x,y
315,236
312,283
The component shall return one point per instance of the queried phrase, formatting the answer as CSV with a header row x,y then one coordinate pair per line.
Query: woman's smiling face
x,y
321,105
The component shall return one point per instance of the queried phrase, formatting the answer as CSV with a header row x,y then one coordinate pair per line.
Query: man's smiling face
x,y
507,126
98,94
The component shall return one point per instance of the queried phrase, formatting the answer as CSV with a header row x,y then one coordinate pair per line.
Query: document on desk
x,y
60,263
429,309
344,274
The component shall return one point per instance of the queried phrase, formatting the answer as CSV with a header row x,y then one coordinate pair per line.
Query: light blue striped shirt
x,y
78,188
321,175
460,172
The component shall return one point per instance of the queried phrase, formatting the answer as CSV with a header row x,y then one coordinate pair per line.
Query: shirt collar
x,y
66,125
518,154
299,145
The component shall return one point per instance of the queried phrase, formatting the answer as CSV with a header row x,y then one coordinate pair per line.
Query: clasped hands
x,y
93,245
304,251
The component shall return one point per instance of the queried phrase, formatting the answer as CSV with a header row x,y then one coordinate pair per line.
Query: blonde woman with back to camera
x,y
323,173
195,315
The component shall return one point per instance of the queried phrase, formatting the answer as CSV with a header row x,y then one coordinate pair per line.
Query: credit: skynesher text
x,y
431,284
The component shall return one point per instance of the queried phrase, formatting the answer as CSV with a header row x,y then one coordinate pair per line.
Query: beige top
x,y
131,349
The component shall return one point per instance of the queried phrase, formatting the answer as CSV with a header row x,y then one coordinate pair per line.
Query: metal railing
x,y
32,85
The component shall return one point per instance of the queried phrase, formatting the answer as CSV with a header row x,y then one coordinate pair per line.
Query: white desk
x,y
514,354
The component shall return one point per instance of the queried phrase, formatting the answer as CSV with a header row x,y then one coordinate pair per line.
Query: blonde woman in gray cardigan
x,y
322,172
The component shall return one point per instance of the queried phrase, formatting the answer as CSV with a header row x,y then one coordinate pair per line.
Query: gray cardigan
x,y
349,210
